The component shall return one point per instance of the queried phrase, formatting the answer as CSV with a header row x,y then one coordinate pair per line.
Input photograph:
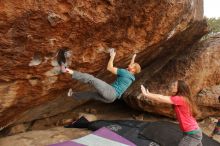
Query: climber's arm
x,y
110,66
133,59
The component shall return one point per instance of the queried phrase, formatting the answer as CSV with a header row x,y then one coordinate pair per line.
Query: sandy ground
x,y
48,131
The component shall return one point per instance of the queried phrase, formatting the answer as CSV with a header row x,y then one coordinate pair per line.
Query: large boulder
x,y
199,66
31,86
208,101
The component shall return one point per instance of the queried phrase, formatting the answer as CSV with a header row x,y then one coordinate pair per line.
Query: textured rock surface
x,y
207,99
199,66
32,31
44,137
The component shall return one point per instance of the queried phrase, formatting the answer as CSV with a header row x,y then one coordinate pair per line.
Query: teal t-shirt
x,y
123,81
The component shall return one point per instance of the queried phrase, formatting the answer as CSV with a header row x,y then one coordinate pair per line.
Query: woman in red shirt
x,y
185,110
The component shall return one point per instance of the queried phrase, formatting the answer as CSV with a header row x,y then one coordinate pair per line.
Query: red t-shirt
x,y
186,121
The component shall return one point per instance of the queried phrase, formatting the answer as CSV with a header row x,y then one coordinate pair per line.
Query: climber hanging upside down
x,y
105,92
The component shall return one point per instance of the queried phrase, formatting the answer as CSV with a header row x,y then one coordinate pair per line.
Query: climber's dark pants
x,y
104,92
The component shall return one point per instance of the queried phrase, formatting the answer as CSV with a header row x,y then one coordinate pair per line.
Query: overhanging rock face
x,y
199,66
32,31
